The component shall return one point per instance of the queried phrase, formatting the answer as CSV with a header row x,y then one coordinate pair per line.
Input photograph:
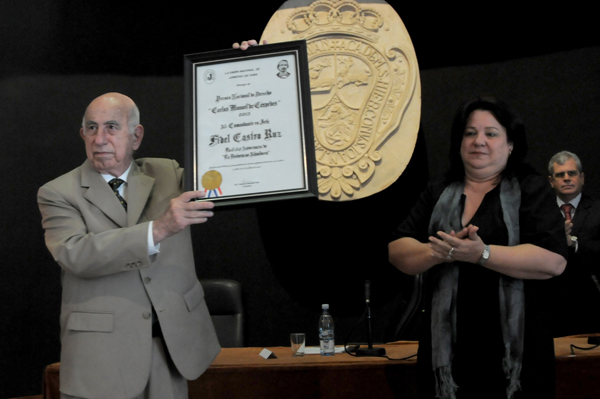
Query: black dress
x,y
477,362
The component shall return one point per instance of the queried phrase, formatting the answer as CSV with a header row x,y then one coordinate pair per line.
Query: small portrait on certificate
x,y
283,66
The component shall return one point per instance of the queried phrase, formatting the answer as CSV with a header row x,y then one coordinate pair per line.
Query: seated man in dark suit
x,y
134,323
578,299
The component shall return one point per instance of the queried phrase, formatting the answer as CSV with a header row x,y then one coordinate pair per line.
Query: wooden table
x,y
577,376
242,373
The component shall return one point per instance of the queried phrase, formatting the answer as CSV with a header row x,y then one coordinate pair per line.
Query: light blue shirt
x,y
574,202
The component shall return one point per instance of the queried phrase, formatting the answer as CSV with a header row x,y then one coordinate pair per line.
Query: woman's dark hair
x,y
515,132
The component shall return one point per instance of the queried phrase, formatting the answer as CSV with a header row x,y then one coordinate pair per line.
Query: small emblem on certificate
x,y
209,76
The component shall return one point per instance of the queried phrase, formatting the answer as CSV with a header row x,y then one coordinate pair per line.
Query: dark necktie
x,y
115,184
567,208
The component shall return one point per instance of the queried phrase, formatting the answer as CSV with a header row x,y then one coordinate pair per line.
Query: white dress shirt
x,y
152,249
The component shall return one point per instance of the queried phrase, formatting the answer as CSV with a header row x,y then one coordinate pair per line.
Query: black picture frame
x,y
218,68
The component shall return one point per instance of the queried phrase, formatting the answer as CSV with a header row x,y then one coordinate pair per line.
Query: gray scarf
x,y
446,217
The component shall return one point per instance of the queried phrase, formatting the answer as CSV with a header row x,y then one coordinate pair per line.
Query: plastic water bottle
x,y
326,336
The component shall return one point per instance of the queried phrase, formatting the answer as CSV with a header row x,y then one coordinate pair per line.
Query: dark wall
x,y
290,256
72,36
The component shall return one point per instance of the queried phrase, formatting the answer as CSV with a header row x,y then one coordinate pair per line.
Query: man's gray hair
x,y
562,157
134,118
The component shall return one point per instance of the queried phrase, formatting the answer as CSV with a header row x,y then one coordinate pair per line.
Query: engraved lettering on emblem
x,y
361,84
342,71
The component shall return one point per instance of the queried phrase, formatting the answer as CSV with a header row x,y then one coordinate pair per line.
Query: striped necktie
x,y
115,184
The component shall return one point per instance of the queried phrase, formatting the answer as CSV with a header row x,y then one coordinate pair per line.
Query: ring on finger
x,y
449,256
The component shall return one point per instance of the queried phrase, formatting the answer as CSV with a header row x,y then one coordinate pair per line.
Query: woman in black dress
x,y
486,236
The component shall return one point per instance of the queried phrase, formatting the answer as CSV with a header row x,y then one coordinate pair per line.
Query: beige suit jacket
x,y
110,283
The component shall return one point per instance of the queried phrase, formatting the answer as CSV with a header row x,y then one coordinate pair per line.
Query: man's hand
x,y
182,212
247,43
568,228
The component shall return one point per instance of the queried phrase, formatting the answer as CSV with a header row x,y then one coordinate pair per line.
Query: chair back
x,y
224,300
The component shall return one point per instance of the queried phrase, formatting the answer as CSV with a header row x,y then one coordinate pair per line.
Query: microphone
x,y
370,351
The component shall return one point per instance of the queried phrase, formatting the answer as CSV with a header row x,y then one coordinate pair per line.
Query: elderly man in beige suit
x,y
134,323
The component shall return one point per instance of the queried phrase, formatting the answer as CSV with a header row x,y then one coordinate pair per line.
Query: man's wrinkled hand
x,y
183,211
247,43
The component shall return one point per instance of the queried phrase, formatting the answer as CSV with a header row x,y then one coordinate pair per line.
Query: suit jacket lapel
x,y
581,214
101,195
139,187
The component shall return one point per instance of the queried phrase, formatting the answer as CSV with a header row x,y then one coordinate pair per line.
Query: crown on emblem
x,y
332,14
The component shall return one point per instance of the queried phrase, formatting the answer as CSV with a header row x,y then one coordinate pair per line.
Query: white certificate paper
x,y
249,138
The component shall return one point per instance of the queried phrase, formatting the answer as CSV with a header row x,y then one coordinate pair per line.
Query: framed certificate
x,y
248,124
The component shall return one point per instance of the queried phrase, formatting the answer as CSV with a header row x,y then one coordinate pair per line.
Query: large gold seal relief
x,y
365,91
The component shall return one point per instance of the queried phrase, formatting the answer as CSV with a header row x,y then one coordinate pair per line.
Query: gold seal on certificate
x,y
211,181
